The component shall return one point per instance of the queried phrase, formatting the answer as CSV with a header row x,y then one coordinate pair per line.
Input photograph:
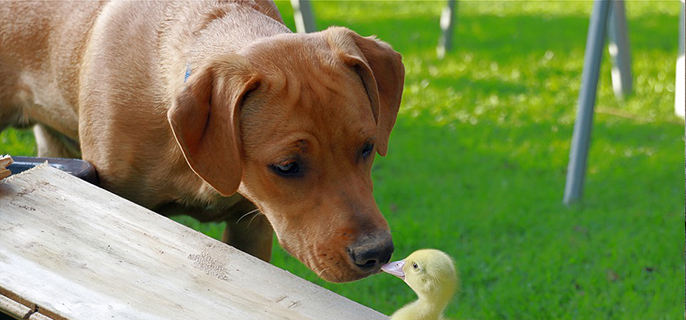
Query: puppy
x,y
216,110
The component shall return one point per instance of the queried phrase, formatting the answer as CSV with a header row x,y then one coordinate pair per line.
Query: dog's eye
x,y
289,169
367,150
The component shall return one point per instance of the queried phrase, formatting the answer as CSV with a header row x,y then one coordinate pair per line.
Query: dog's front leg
x,y
249,231
252,235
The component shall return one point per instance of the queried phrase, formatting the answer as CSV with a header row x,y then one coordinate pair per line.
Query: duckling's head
x,y
429,272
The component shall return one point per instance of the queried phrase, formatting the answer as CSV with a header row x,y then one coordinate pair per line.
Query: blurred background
x,y
478,157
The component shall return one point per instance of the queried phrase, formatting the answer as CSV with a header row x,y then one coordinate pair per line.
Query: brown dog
x,y
192,108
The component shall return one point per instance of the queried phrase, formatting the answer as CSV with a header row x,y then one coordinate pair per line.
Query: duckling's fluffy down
x,y
432,275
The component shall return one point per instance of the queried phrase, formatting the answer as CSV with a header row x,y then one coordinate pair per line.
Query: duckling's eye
x,y
415,266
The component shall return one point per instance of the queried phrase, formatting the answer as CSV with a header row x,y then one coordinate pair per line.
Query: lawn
x,y
477,162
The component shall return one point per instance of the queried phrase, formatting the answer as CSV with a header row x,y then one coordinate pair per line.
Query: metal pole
x,y
618,45
679,96
445,42
302,13
584,120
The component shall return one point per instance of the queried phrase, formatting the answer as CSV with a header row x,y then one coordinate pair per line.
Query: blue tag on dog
x,y
188,72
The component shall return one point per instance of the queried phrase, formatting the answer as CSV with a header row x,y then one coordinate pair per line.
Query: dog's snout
x,y
371,251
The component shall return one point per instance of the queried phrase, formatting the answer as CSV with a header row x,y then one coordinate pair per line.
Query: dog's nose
x,y
371,251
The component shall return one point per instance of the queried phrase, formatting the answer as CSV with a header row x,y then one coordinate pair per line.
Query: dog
x,y
214,109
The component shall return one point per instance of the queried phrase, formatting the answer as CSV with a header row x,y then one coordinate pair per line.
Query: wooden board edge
x,y
19,308
39,316
13,176
13,308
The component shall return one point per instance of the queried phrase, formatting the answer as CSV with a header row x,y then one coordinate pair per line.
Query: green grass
x,y
477,162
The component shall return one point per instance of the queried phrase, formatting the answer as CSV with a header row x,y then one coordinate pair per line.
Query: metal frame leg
x,y
302,13
589,84
679,97
445,42
618,45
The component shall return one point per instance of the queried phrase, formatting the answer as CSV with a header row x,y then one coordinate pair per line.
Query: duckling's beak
x,y
395,268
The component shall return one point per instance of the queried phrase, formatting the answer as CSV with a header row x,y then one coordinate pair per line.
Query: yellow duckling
x,y
432,275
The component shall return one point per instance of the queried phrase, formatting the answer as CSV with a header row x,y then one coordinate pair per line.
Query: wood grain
x,y
5,161
80,252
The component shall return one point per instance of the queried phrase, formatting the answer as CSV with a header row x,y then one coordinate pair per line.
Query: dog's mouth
x,y
338,277
355,261
341,247
334,267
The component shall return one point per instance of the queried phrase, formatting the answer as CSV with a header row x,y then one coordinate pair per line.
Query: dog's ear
x,y
204,120
382,73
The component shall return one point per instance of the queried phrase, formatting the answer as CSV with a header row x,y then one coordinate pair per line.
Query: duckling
x,y
432,276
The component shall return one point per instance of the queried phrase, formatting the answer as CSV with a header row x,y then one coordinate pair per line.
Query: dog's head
x,y
293,123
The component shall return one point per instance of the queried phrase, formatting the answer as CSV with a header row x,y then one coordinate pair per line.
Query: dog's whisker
x,y
255,216
322,271
247,214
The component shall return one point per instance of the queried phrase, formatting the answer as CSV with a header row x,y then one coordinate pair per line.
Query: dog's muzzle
x,y
371,251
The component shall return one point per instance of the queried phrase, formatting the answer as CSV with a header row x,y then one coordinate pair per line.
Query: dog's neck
x,y
186,46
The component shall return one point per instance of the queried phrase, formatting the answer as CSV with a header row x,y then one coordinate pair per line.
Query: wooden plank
x,y
18,308
80,252
5,161
13,308
39,316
